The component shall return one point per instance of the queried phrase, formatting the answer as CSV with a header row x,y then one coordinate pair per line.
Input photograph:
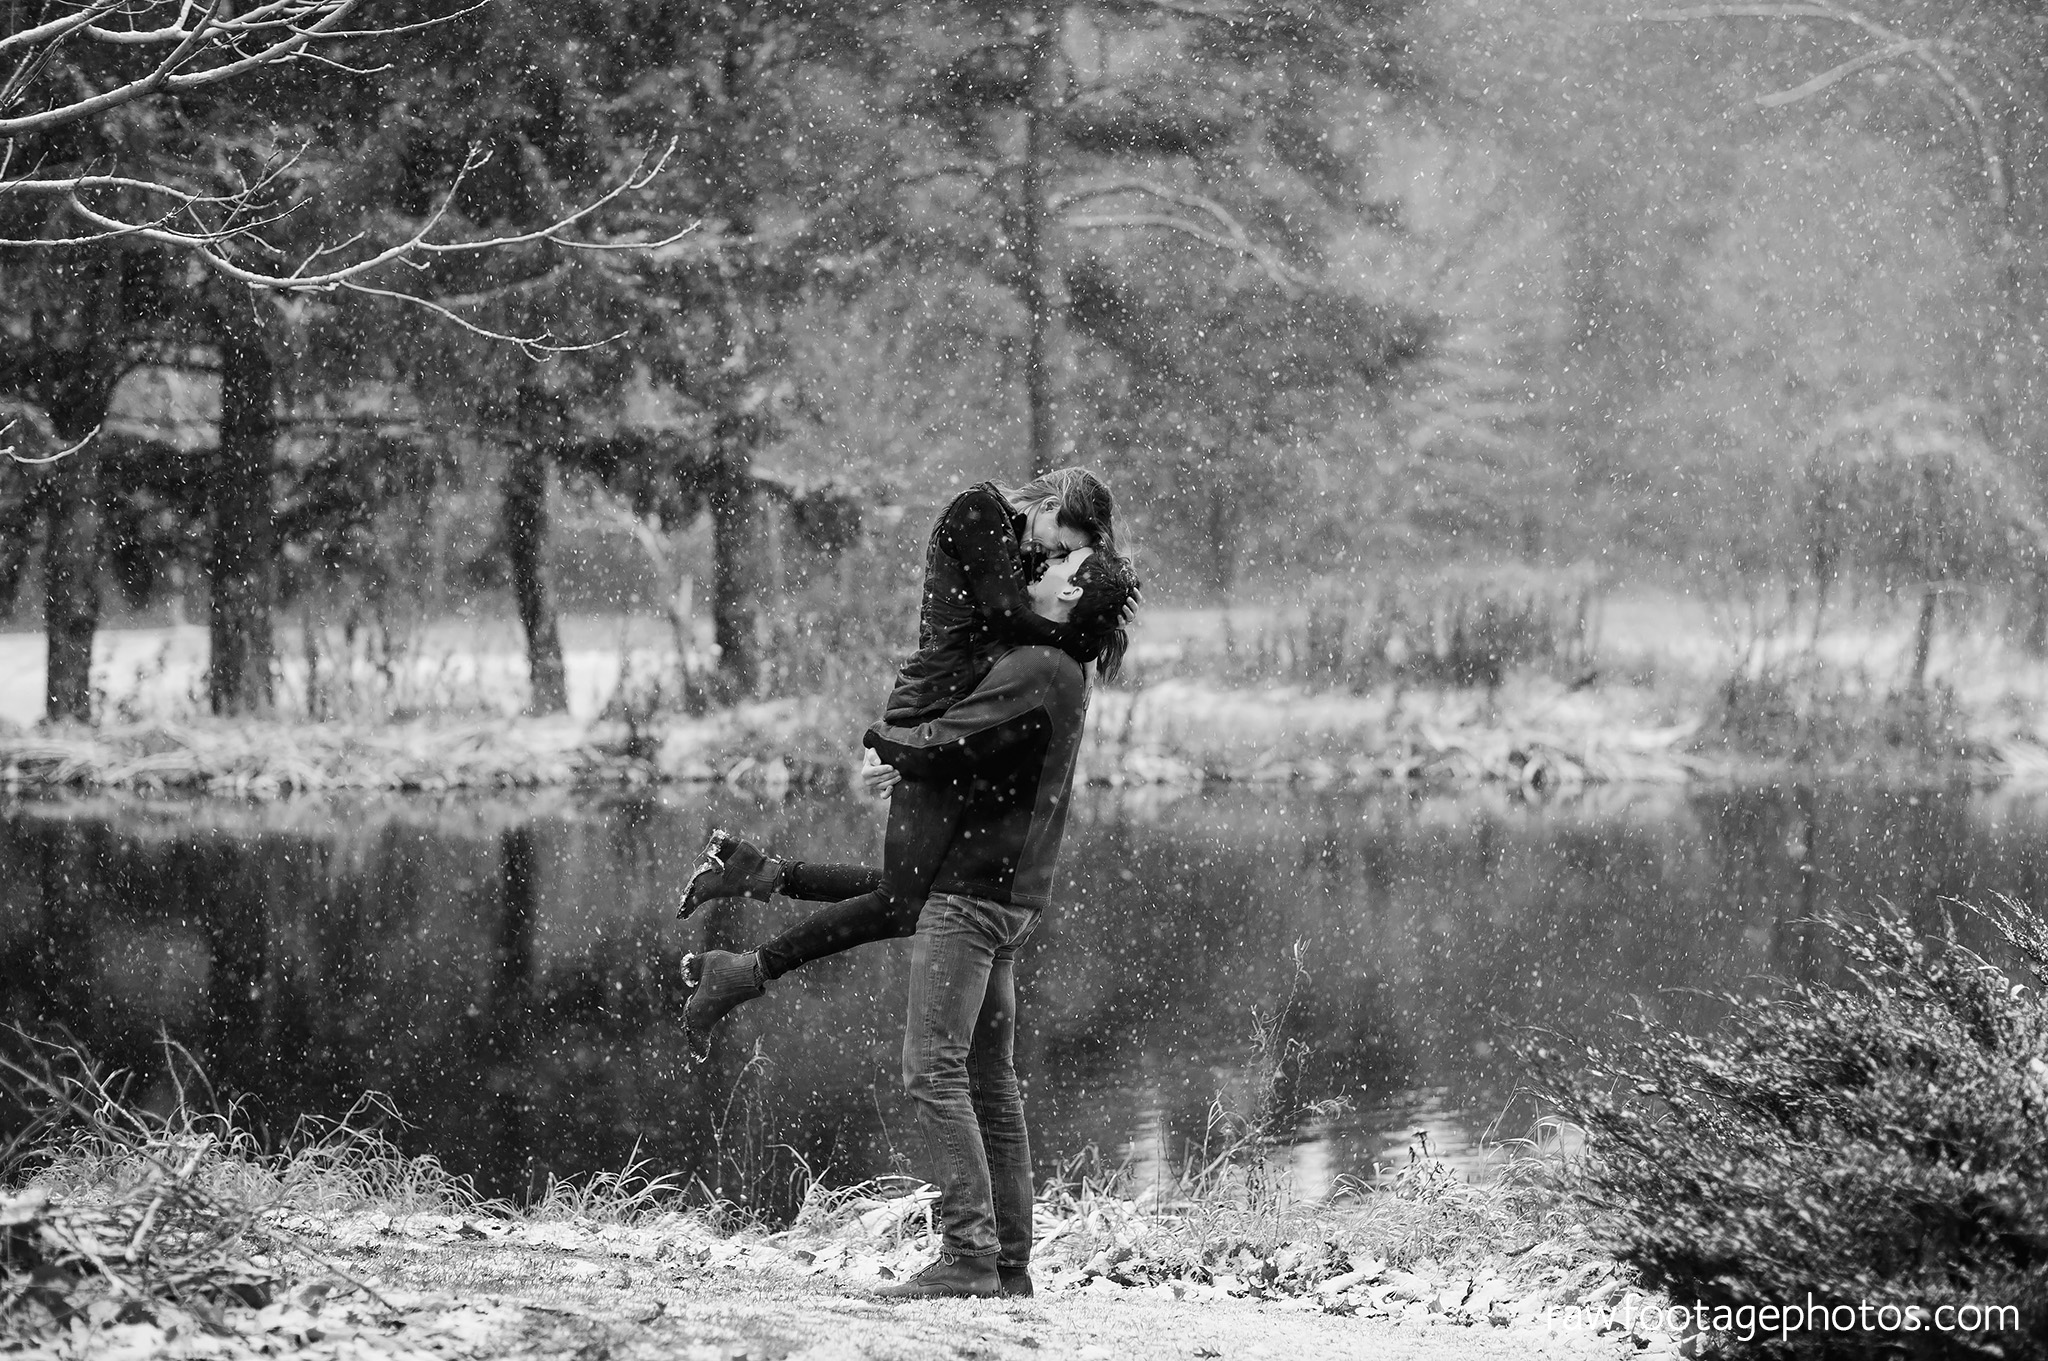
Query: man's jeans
x,y
958,1047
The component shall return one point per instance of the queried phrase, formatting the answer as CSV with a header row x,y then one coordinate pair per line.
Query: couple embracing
x,y
1024,589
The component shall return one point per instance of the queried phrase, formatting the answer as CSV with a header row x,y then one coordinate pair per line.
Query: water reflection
x,y
502,969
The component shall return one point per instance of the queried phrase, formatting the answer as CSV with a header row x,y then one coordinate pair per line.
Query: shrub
x,y
1880,1142
1817,715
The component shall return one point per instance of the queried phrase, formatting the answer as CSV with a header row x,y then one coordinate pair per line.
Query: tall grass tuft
x,y
81,1132
102,1198
627,1196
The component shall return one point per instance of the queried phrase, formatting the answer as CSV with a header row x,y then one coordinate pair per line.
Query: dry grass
x,y
1244,1219
85,1138
111,1213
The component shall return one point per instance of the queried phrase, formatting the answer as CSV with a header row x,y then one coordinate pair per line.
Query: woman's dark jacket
x,y
975,605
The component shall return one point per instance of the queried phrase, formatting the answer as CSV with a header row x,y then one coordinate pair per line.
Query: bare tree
x,y
1907,495
1980,67
157,48
1926,41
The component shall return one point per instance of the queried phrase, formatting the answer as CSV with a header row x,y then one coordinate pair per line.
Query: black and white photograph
x,y
904,680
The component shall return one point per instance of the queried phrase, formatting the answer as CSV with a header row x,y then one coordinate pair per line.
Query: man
x,y
1015,739
1012,741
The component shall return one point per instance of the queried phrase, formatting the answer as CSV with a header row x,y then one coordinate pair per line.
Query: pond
x,y
504,970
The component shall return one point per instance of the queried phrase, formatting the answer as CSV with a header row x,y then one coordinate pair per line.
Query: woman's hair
x,y
1083,500
1107,584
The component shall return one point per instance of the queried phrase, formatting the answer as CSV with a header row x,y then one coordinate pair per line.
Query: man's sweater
x,y
1015,738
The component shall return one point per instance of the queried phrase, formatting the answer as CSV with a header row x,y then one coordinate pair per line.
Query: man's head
x,y
1088,589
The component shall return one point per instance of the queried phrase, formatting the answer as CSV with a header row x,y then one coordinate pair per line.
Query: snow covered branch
x,y
191,45
37,425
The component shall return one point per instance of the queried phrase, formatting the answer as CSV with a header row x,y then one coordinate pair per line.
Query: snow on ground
x,y
478,667
145,673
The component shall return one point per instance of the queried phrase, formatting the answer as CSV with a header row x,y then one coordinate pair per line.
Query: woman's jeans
x,y
958,1065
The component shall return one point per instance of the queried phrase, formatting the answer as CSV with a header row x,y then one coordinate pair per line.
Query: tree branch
x,y
1694,13
1187,9
16,456
213,245
1278,270
1228,232
537,347
209,43
1835,74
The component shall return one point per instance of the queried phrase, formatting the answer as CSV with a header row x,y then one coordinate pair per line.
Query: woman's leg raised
x,y
922,818
839,927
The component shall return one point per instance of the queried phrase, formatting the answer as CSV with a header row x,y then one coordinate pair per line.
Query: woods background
x,y
699,312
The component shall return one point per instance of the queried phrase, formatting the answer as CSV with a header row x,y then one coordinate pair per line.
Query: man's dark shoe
x,y
949,1278
1014,1282
728,867
719,980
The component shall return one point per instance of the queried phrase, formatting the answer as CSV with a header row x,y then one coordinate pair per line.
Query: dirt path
x,y
761,1320
499,1300
822,1326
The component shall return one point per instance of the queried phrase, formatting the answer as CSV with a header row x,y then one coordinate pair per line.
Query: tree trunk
x,y
1222,540
71,585
1042,289
241,581
1223,512
682,620
526,542
736,575
1923,638
78,391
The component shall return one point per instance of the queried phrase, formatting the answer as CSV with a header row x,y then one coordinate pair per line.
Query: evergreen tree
x,y
1160,187
760,193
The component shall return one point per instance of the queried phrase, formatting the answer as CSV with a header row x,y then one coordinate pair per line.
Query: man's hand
x,y
1131,605
877,776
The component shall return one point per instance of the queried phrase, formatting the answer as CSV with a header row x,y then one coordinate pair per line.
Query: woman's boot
x,y
719,981
728,867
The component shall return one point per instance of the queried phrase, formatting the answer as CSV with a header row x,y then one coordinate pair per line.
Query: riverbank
x,y
1116,1279
1533,733
126,1232
1657,689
